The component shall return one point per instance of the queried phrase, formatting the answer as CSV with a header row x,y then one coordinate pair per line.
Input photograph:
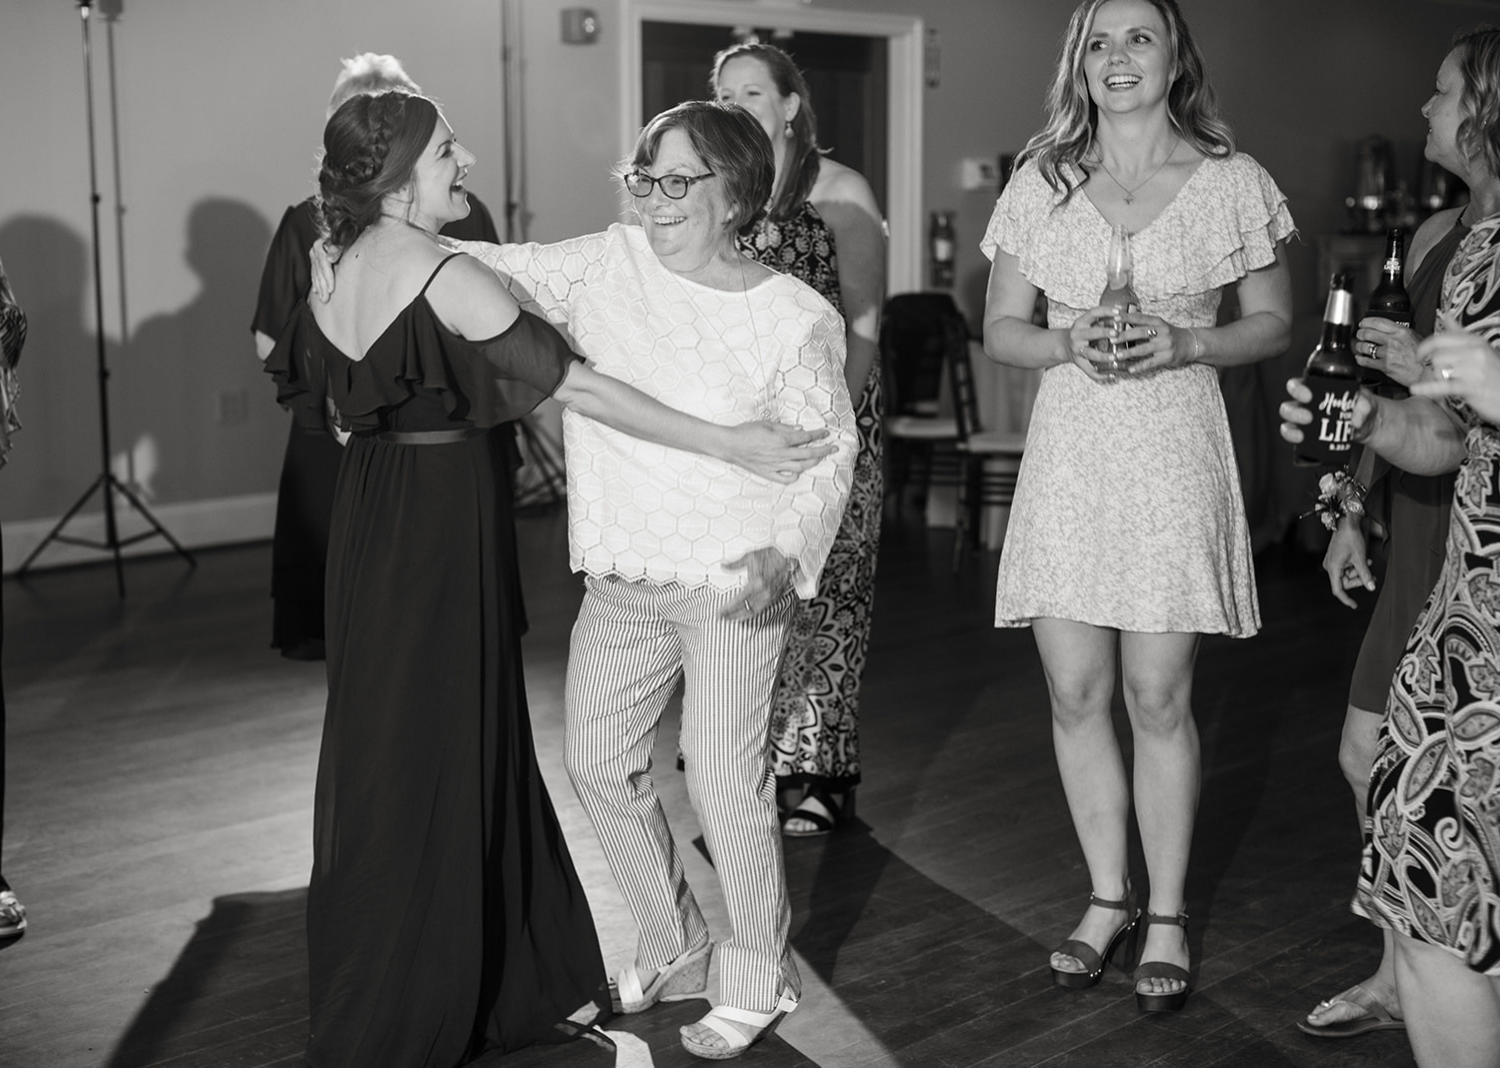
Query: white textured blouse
x,y
775,352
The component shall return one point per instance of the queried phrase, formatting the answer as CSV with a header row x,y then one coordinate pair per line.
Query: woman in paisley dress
x,y
1416,507
1431,868
1128,537
823,227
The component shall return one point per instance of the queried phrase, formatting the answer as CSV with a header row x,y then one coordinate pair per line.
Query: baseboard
x,y
195,524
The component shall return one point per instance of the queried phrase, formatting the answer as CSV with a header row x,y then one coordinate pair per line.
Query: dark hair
x,y
1068,136
731,143
802,154
370,147
1478,132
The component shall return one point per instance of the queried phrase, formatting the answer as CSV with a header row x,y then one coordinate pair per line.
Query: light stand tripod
x,y
106,481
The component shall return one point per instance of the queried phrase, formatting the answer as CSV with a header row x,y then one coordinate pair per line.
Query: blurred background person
x,y
822,225
12,337
304,496
1415,507
1128,537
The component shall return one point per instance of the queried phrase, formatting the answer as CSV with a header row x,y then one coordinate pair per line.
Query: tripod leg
x,y
145,512
57,529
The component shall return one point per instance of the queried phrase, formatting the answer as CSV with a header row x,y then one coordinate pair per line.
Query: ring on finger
x,y
1447,373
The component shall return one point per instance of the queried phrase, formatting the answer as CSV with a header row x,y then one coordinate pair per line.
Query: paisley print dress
x,y
1431,865
815,718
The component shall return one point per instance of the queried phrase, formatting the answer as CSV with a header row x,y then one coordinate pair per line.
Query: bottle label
x,y
1330,436
1392,267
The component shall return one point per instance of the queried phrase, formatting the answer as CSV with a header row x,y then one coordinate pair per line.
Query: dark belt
x,y
432,437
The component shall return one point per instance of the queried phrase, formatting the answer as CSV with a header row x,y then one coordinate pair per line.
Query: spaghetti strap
x,y
435,270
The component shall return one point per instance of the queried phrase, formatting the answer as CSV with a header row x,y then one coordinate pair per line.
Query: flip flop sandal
x,y
1373,1017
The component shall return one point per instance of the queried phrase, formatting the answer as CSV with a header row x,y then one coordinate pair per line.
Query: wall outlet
x,y
233,407
978,174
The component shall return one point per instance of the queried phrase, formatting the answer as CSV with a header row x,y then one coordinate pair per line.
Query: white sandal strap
x,y
745,1016
628,985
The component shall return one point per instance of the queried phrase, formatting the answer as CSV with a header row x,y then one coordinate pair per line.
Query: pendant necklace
x,y
1130,193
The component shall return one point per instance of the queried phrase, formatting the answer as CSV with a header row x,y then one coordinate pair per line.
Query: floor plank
x,y
161,764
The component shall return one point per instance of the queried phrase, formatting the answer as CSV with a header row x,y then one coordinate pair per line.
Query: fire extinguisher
x,y
940,248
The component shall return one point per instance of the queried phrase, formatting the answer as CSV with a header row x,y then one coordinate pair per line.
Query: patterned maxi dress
x,y
1128,512
1431,866
815,718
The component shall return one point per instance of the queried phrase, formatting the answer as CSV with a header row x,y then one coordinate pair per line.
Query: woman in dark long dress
x,y
822,226
445,917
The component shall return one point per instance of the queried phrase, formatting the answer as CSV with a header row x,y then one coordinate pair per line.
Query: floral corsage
x,y
1339,494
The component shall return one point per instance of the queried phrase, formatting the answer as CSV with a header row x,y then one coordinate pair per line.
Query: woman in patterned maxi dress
x,y
823,227
1128,535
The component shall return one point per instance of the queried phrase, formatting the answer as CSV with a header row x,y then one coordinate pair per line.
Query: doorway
x,y
846,78
864,73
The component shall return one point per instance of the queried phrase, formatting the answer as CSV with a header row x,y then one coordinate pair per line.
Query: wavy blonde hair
x,y
1062,145
1478,132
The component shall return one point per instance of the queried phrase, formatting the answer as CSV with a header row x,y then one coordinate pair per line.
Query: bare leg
x,y
1079,661
1158,677
1452,1012
1356,755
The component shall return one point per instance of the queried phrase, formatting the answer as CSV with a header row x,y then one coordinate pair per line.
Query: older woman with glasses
x,y
694,568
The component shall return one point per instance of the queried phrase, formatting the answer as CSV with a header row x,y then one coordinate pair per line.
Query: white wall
x,y
221,107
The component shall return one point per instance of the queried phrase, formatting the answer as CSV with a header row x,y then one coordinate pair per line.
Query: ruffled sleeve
x,y
300,375
286,277
1013,226
483,383
1227,225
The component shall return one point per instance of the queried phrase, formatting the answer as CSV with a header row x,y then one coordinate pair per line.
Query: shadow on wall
x,y
188,386
56,452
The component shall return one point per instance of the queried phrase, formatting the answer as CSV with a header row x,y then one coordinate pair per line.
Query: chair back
x,y
965,401
919,332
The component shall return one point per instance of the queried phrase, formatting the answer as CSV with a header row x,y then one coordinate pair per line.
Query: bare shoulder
x,y
838,184
470,298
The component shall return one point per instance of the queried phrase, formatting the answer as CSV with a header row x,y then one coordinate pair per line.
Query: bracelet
x,y
1197,344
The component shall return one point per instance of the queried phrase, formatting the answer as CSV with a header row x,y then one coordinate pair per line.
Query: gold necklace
x,y
1130,193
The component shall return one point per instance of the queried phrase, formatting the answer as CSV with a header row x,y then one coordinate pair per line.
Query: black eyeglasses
x,y
674,186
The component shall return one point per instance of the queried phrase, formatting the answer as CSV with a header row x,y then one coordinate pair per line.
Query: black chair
x,y
989,460
920,333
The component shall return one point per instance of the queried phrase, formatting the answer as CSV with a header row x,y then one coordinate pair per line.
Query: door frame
x,y
905,38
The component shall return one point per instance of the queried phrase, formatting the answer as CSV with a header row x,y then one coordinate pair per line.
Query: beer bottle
x,y
1333,377
1389,300
1119,297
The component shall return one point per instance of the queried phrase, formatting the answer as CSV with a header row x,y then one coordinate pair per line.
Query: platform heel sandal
x,y
1086,954
686,977
1157,969
736,1041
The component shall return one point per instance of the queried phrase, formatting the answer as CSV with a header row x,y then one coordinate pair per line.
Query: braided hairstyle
x,y
370,147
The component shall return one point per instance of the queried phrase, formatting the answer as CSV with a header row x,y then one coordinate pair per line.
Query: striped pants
x,y
631,642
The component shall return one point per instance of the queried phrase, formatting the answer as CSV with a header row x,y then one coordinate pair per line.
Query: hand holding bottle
x,y
1297,415
1387,346
1092,343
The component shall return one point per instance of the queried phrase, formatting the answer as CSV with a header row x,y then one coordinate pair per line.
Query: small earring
x,y
786,130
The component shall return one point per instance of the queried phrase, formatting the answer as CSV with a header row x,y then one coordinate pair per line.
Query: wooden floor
x,y
161,761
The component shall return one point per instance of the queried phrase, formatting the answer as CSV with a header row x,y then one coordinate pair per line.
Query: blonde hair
x,y
1478,132
369,72
1064,142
